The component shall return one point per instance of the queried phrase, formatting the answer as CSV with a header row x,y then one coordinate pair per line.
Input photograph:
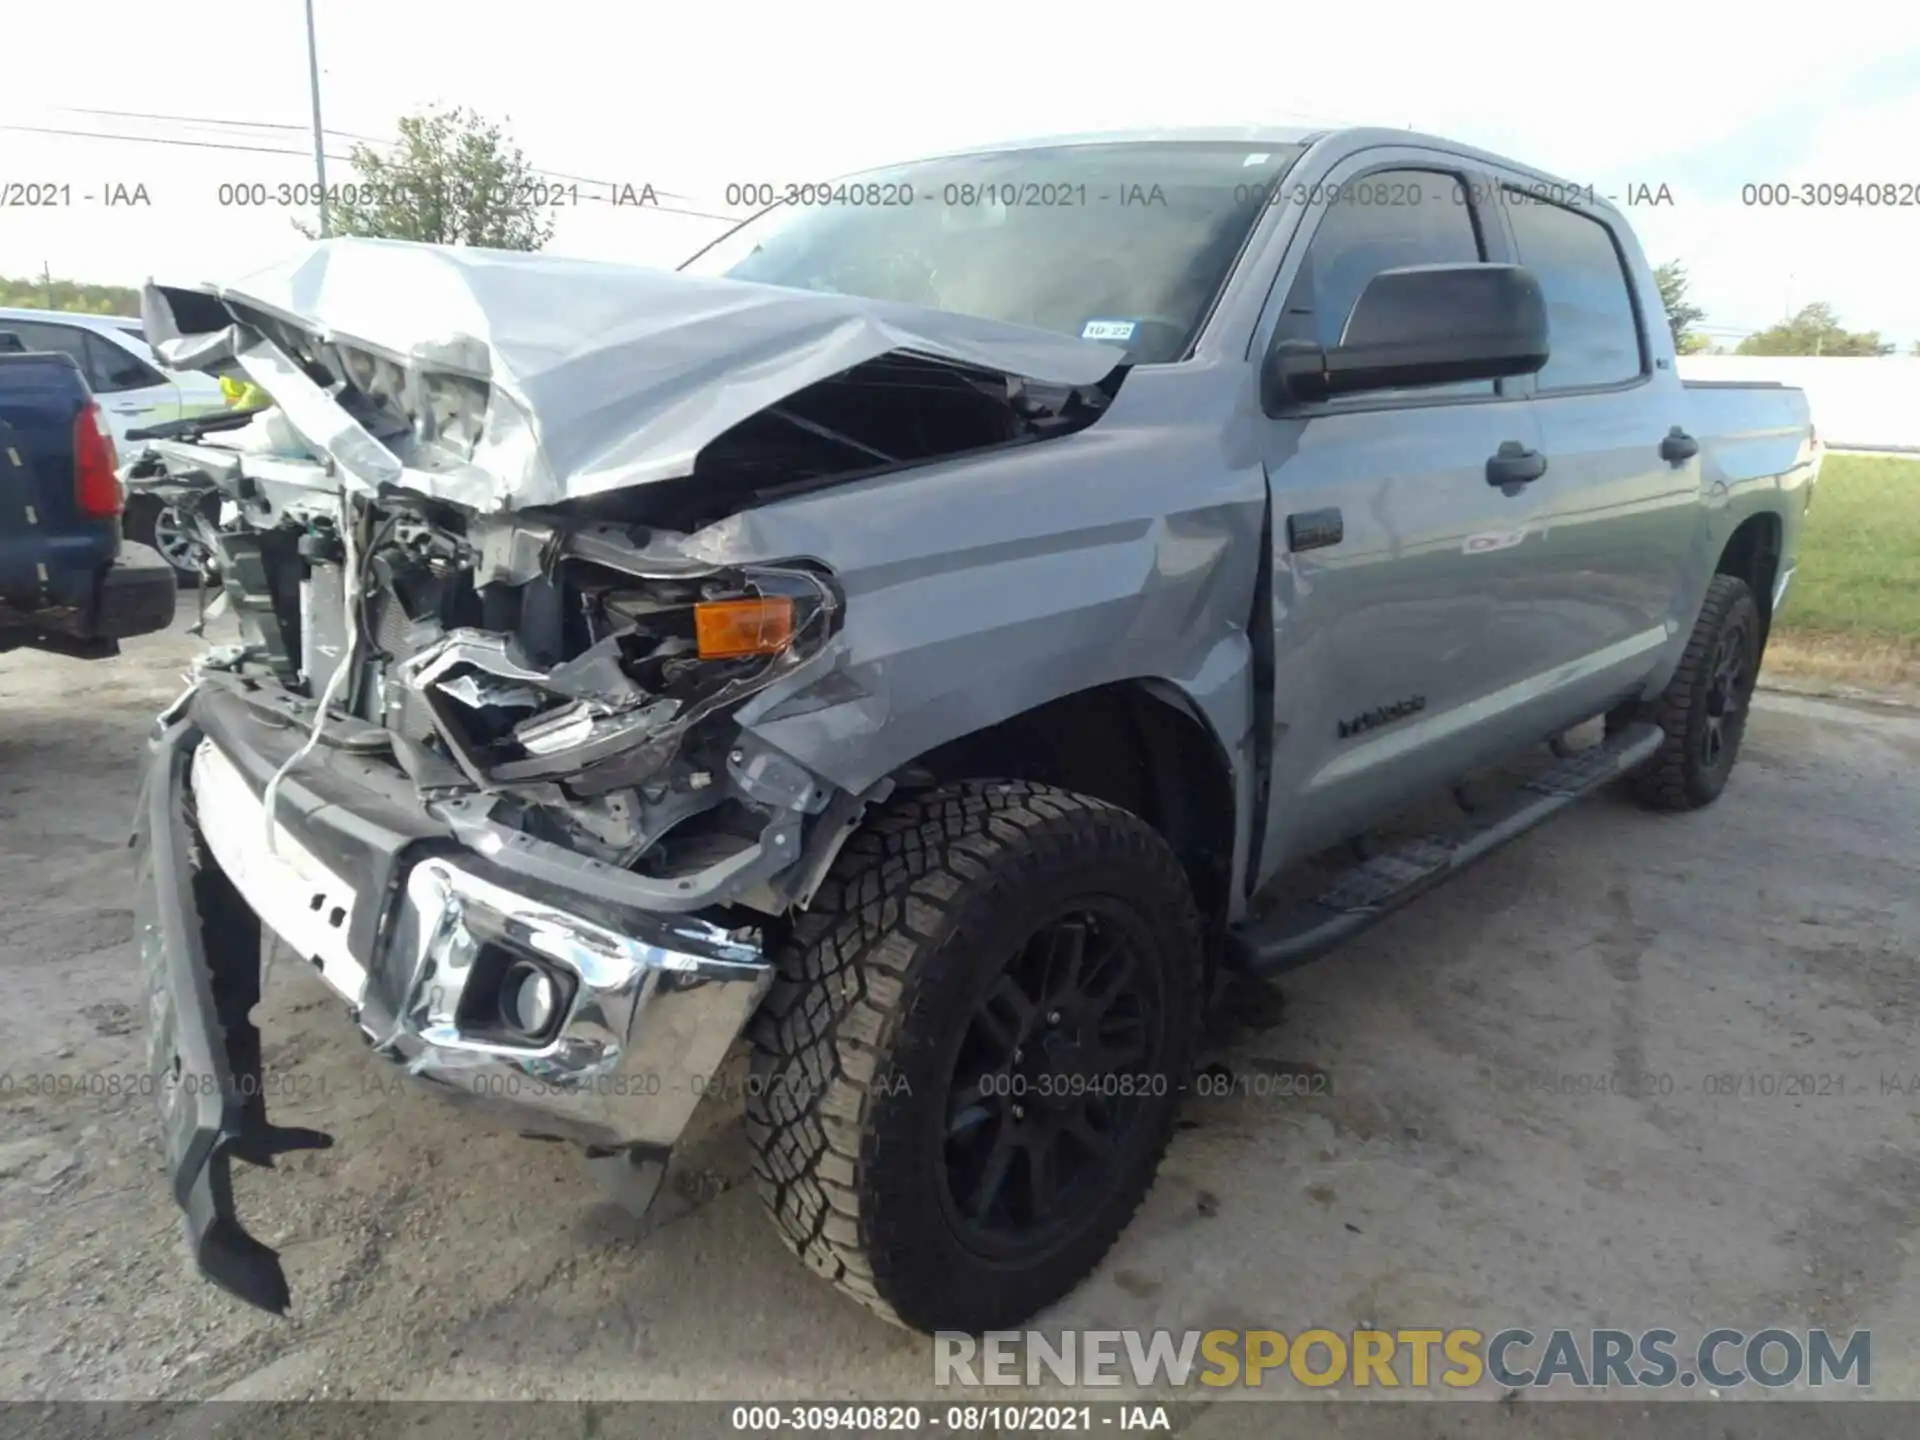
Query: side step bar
x,y
1380,885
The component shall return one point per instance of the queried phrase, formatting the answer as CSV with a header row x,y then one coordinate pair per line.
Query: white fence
x,y
1857,403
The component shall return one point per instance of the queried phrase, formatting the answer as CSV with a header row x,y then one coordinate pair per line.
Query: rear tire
x,y
1703,711
967,1071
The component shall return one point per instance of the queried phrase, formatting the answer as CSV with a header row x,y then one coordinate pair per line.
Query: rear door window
x,y
113,367
1592,332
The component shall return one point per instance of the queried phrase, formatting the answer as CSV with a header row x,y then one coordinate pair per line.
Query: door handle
x,y
1513,464
1678,447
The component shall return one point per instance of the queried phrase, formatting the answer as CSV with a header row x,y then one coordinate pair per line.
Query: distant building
x,y
1858,402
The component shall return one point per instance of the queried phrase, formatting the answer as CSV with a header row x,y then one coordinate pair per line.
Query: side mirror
x,y
1419,325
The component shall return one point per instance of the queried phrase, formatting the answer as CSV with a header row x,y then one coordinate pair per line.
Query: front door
x,y
1393,657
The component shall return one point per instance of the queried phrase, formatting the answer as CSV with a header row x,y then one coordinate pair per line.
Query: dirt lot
x,y
1437,1182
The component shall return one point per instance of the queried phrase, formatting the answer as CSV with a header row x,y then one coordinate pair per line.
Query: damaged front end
x,y
473,755
508,822
563,719
571,719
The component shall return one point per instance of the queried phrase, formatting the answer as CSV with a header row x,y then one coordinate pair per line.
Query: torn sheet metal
x,y
592,376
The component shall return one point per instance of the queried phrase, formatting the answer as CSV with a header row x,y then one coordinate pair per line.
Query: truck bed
x,y
1749,432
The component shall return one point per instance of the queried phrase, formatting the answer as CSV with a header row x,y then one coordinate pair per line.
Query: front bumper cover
x,y
400,920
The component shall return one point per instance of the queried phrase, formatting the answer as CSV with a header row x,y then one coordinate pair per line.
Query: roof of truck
x,y
1253,134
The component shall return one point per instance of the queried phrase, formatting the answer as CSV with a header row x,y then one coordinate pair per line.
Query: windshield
x,y
1125,243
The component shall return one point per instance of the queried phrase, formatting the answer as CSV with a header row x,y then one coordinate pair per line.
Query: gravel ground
x,y
1434,1182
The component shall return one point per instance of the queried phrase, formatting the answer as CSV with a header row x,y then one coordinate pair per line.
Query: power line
x,y
215,120
161,140
343,134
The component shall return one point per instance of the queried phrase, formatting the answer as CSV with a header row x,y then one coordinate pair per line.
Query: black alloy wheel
x,y
1048,1080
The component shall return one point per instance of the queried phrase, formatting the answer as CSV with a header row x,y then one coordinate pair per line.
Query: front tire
x,y
968,1069
1703,711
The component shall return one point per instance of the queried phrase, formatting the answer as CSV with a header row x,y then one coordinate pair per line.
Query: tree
x,y
1816,330
453,179
1681,316
46,293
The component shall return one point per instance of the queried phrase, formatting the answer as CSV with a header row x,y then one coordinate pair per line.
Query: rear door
x,y
1602,577
1394,642
132,392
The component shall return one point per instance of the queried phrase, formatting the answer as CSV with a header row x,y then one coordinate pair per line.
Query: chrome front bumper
x,y
651,1007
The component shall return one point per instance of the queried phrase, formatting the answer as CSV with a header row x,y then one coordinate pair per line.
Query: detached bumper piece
x,y
200,958
554,1014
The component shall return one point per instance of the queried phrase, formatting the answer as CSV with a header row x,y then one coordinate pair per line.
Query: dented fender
x,y
983,587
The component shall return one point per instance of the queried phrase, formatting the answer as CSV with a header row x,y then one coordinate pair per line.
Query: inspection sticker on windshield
x,y
1108,330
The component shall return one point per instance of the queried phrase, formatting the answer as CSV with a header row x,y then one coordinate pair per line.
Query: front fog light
x,y
529,998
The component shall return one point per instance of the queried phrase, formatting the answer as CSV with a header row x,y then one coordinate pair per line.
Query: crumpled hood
x,y
598,376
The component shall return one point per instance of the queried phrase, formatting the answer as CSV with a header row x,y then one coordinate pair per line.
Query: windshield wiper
x,y
198,424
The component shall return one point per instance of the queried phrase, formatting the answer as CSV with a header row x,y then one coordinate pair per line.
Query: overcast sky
x,y
1701,98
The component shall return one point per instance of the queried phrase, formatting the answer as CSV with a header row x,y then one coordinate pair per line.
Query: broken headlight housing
x,y
663,654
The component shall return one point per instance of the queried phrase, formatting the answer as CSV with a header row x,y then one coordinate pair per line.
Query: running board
x,y
1378,886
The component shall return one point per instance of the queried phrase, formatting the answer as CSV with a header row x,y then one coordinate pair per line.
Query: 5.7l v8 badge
x,y
1385,714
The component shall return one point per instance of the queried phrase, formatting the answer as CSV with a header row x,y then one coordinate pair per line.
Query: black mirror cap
x,y
1293,373
1420,325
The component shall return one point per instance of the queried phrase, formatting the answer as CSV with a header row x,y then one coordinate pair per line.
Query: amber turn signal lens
x,y
726,629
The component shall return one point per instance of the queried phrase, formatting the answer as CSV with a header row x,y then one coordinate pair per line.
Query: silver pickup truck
x,y
925,637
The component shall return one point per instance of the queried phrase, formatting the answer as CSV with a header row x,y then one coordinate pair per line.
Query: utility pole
x,y
319,144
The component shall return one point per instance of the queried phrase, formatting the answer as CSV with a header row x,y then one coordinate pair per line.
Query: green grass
x,y
1855,601
1860,552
